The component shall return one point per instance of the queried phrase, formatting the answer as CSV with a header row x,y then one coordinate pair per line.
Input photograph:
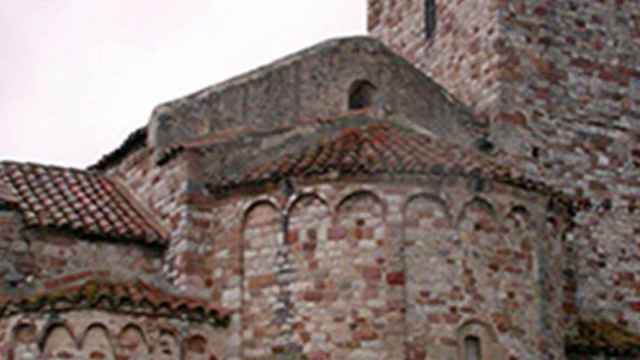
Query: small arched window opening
x,y
430,18
472,348
361,95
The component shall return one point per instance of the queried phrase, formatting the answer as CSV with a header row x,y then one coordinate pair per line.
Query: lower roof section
x,y
353,145
135,297
82,202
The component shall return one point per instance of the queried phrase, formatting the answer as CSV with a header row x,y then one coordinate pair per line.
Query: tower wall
x,y
560,83
571,107
462,55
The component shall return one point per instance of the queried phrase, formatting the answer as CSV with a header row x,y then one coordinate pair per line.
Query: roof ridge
x,y
234,134
49,166
130,296
278,63
412,152
7,191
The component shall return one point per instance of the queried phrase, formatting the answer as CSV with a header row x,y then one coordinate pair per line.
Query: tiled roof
x,y
593,337
7,195
375,148
77,200
134,297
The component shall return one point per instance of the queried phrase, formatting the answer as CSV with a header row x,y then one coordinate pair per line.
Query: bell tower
x,y
454,42
559,84
550,77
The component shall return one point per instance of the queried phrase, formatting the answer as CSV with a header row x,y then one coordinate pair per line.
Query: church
x,y
461,184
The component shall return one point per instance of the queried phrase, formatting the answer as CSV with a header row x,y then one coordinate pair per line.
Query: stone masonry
x,y
558,83
471,195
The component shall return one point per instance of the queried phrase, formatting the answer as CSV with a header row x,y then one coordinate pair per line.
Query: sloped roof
x,y
7,194
371,148
376,148
132,297
601,337
77,200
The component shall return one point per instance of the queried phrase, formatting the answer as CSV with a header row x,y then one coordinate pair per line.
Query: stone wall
x,y
93,334
162,189
156,187
560,82
364,267
312,84
55,281
462,55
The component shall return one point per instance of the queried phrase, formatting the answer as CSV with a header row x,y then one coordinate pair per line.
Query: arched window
x,y
361,95
430,18
472,348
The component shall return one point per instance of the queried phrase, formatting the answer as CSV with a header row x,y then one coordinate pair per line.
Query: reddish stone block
x,y
309,246
305,337
540,10
434,318
635,306
65,280
312,296
318,356
368,233
451,318
628,277
395,278
365,333
262,281
201,223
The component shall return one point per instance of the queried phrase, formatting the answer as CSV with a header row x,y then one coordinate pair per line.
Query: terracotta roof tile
x,y
378,147
82,201
7,194
131,297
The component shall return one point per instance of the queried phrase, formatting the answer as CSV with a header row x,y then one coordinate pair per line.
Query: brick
x,y
396,279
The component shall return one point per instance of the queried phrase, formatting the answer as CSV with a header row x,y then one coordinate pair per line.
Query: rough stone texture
x,y
463,53
302,227
312,84
559,81
101,335
83,202
348,280
162,190
50,269
35,259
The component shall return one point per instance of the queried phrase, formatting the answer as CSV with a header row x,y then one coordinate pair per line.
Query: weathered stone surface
x,y
364,224
315,83
558,82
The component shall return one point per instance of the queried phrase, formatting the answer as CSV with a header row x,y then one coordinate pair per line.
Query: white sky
x,y
77,76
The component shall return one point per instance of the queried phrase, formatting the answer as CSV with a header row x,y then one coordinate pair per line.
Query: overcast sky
x,y
77,76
